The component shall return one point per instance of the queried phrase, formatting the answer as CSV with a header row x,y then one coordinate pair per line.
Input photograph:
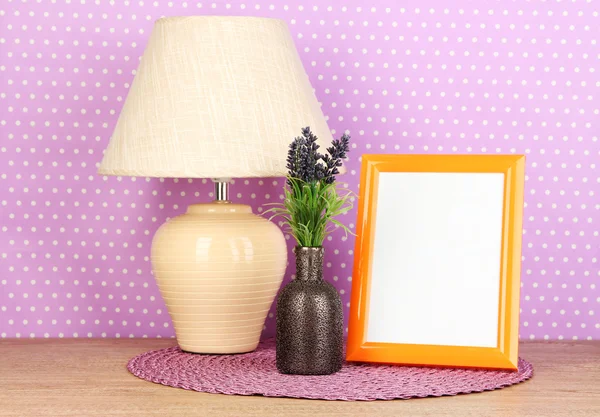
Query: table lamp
x,y
216,97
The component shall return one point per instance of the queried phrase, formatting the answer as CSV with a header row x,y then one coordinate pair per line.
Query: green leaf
x,y
309,210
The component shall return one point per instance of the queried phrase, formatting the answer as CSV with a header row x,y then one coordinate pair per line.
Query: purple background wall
x,y
401,77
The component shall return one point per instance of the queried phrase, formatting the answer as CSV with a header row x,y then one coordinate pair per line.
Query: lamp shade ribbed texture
x,y
214,97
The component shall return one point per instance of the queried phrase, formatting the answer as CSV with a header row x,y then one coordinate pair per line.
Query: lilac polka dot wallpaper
x,y
460,77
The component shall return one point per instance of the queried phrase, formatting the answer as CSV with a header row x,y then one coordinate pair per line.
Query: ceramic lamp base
x,y
218,268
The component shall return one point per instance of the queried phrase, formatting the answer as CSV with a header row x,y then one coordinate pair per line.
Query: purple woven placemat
x,y
255,374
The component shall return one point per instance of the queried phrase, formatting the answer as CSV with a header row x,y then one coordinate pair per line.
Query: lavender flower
x,y
305,163
337,152
295,157
313,156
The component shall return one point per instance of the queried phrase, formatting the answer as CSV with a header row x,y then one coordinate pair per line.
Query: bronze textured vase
x,y
310,321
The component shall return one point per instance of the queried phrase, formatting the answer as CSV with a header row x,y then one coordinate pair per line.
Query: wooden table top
x,y
76,377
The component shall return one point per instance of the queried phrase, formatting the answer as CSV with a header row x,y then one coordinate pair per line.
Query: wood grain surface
x,y
71,377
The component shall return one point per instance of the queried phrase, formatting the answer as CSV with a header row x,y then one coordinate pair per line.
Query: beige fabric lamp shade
x,y
214,97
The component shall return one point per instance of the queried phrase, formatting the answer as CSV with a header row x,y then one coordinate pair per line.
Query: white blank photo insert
x,y
436,259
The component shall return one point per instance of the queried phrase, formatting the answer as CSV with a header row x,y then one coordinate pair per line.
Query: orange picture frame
x,y
505,354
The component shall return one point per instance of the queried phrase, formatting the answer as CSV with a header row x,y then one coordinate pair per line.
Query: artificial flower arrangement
x,y
310,321
312,198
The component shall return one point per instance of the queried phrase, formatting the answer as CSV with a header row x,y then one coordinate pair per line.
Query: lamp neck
x,y
222,190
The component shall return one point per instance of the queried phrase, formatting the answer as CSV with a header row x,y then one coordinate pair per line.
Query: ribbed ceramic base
x,y
218,268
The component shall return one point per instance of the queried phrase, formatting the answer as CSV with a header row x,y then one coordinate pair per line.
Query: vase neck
x,y
309,263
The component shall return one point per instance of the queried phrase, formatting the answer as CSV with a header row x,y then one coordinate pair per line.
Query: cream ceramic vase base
x,y
218,268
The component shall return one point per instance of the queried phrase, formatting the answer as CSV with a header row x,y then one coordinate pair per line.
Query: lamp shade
x,y
214,97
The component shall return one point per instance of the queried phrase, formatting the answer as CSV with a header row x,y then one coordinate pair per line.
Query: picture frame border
x,y
505,354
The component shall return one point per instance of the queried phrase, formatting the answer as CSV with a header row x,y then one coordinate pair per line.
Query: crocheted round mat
x,y
255,374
